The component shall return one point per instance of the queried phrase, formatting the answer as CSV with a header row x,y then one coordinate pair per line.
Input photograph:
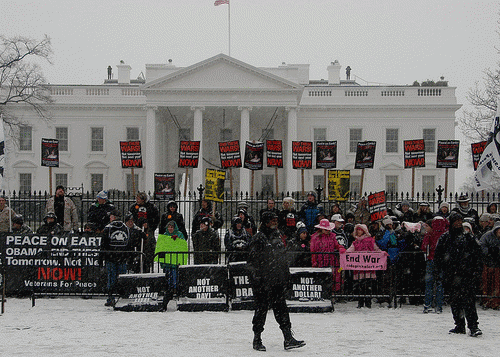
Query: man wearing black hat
x,y
270,275
465,209
206,240
458,257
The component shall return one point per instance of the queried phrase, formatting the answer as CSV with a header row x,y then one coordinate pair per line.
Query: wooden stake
x,y
446,183
50,180
231,181
251,184
133,181
186,182
361,182
412,182
303,190
277,182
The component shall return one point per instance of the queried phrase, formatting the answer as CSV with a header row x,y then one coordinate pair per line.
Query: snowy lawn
x,y
78,327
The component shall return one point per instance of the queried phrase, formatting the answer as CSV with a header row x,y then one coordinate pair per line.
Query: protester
x,y
18,226
6,215
64,209
146,217
271,207
138,238
309,211
433,278
116,247
340,235
458,257
172,214
206,243
404,212
486,223
50,225
465,209
288,218
361,213
490,246
98,212
206,211
335,209
423,213
444,210
248,222
324,241
268,266
365,279
299,247
236,241
172,241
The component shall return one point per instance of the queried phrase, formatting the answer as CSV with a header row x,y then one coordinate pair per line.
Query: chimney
x,y
334,72
123,73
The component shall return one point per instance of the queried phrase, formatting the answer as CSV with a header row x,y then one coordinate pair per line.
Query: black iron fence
x,y
32,205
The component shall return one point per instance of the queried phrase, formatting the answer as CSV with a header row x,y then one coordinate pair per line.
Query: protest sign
x,y
230,154
339,185
414,154
131,155
189,154
365,155
274,149
447,154
254,152
326,154
302,154
50,152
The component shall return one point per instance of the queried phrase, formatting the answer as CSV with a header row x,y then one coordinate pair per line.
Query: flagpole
x,y
229,24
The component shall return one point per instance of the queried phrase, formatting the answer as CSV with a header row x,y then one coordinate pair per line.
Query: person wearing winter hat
x,y
50,225
172,214
444,210
310,210
490,246
236,241
423,213
324,241
341,236
465,209
298,247
361,213
270,275
404,212
98,212
64,209
288,218
18,226
458,258
364,279
206,243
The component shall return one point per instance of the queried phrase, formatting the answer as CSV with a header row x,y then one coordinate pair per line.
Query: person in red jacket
x,y
324,241
439,225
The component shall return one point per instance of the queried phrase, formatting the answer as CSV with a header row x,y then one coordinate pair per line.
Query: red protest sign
x,y
274,149
414,153
302,154
131,154
189,154
230,154
477,151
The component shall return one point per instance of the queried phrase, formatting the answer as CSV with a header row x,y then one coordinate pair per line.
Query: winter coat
x,y
206,241
217,222
363,243
490,247
308,214
116,239
174,242
146,212
236,242
71,220
172,216
299,251
267,260
6,216
325,243
388,241
429,243
25,229
99,214
287,222
53,229
458,257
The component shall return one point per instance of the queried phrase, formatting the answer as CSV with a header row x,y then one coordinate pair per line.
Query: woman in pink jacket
x,y
324,241
363,242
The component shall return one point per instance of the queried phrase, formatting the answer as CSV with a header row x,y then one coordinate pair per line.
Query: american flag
x,y
221,2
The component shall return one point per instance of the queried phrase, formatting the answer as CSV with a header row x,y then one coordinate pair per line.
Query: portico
x,y
219,99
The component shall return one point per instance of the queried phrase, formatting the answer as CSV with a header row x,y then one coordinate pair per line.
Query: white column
x,y
198,173
244,137
291,182
150,159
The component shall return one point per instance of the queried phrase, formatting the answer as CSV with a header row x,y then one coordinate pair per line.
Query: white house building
x,y
221,99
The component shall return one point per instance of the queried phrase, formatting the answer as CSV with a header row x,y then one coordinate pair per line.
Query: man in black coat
x,y
270,275
458,256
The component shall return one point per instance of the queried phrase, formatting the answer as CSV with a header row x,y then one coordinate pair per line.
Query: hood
x,y
496,226
170,204
440,225
365,230
176,229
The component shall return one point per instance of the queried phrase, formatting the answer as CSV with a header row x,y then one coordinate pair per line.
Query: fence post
x,y
440,195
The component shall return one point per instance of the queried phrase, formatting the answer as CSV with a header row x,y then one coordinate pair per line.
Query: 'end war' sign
x,y
363,260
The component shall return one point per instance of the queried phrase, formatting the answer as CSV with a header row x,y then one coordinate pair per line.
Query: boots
x,y
257,343
291,342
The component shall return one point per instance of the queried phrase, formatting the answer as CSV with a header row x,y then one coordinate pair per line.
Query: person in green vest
x,y
168,253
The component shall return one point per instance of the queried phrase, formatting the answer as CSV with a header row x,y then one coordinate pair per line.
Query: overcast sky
x,y
390,41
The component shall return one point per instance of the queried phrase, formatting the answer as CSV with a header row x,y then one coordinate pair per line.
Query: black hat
x,y
206,220
18,219
128,216
268,216
454,216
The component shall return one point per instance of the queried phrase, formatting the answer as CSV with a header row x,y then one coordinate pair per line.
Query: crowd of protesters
x,y
305,232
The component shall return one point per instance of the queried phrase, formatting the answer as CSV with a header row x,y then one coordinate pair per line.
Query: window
x,y
429,136
267,134
267,185
391,184
391,140
226,134
97,182
355,185
355,136
319,180
62,180
184,134
428,185
319,134
62,136
132,186
97,139
24,183
133,134
25,138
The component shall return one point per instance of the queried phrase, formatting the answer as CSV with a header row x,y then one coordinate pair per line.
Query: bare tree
x,y
21,78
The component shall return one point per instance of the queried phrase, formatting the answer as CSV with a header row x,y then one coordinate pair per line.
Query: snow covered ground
x,y
78,327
